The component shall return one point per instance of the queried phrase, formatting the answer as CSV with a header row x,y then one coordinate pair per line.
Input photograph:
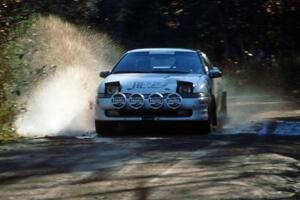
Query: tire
x,y
213,112
207,126
212,121
104,128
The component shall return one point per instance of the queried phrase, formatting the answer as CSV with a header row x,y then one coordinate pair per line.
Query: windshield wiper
x,y
125,72
158,71
171,72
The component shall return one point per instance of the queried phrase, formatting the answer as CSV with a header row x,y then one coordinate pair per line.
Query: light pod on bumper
x,y
118,100
136,101
174,101
156,100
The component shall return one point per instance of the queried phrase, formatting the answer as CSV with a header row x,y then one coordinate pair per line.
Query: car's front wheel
x,y
208,125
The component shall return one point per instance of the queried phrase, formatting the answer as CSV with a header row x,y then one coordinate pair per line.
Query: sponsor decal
x,y
148,85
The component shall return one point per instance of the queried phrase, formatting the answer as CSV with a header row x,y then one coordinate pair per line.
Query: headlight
x,y
184,87
112,88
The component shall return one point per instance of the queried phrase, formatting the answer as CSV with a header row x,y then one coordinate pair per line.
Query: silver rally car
x,y
161,86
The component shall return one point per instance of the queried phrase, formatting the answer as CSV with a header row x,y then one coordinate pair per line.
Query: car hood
x,y
148,83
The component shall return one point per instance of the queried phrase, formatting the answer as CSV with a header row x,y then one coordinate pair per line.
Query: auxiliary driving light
x,y
156,100
118,100
136,101
174,101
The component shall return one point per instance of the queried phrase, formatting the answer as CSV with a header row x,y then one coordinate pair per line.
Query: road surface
x,y
254,156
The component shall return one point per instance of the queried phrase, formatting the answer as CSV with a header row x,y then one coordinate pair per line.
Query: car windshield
x,y
160,62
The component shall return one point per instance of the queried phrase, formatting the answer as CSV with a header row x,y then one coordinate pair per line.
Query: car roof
x,y
162,49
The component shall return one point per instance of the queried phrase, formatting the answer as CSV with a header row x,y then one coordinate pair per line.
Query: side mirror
x,y
104,74
215,73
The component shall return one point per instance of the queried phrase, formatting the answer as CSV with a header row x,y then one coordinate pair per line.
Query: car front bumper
x,y
191,109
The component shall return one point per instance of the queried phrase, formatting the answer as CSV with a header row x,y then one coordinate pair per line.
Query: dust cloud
x,y
62,102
